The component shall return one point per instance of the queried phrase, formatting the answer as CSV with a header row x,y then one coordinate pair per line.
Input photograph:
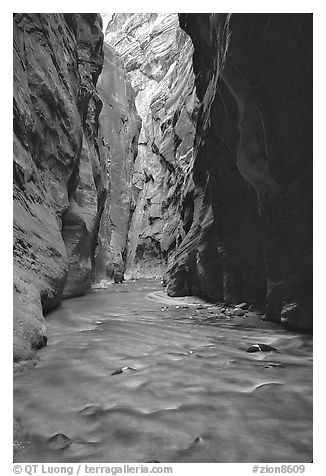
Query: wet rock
x,y
58,442
261,348
119,371
116,372
199,439
243,306
238,312
267,386
40,342
295,317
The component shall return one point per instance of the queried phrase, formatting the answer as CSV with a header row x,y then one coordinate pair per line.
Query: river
x,y
191,392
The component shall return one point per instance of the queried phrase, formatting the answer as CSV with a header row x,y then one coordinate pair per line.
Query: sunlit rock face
x,y
60,178
157,56
119,126
253,163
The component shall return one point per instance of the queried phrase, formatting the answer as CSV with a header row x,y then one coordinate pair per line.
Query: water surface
x,y
195,394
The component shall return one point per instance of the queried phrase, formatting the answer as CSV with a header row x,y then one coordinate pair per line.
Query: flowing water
x,y
191,392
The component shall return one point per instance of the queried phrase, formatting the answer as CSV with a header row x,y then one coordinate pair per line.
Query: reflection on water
x,y
195,395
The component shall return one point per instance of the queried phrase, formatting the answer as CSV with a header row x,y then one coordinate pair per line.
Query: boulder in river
x,y
58,442
116,372
238,312
261,348
295,317
119,371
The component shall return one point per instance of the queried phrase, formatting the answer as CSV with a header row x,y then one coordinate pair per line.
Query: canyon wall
x,y
250,237
74,149
67,141
119,128
60,180
156,55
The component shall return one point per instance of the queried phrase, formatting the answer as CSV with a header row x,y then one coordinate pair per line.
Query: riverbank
x,y
241,315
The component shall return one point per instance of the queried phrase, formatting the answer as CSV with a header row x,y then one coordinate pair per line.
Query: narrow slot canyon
x,y
163,263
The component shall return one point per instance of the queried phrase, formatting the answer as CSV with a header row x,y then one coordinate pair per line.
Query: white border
x,y
318,8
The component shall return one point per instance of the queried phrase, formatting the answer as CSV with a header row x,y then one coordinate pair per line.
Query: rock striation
x,y
60,177
156,55
250,236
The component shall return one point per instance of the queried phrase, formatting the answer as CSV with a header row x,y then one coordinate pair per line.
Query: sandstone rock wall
x,y
120,126
251,226
60,178
157,54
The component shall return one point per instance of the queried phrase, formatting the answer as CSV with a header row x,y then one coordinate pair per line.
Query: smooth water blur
x,y
195,395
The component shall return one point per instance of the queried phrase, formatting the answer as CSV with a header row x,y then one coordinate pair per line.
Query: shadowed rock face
x,y
252,221
82,219
120,126
60,178
157,54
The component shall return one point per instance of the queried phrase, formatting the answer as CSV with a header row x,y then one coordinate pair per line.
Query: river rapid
x,y
189,391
